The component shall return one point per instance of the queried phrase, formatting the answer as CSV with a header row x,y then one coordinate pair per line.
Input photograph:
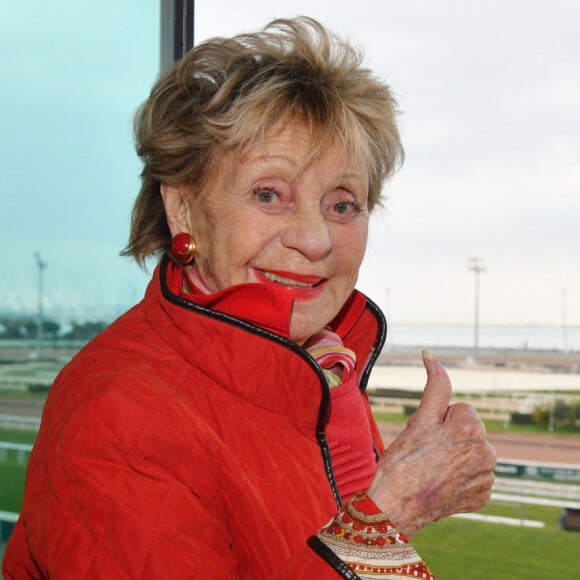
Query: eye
x,y
341,205
271,199
266,195
346,208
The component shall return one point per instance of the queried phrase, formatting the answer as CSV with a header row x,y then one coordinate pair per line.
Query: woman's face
x,y
276,215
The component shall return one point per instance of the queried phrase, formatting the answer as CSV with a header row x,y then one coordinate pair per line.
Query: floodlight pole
x,y
41,267
477,267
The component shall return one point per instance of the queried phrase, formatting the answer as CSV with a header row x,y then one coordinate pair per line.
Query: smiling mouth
x,y
291,279
286,281
301,287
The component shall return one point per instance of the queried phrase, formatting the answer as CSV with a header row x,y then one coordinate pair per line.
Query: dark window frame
x,y
177,30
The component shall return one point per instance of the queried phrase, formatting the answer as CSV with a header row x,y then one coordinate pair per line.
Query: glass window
x,y
73,75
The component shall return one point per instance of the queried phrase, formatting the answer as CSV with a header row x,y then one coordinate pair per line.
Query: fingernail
x,y
430,363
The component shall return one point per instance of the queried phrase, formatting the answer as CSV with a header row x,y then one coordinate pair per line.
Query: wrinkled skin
x,y
441,463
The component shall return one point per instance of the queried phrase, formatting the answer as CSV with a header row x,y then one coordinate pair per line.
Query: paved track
x,y
532,447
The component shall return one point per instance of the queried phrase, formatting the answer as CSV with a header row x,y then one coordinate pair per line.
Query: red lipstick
x,y
283,279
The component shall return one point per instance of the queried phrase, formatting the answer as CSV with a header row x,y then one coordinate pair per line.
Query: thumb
x,y
437,393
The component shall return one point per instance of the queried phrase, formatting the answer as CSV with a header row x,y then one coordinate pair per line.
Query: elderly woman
x,y
220,428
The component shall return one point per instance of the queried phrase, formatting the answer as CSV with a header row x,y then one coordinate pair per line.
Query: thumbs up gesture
x,y
440,464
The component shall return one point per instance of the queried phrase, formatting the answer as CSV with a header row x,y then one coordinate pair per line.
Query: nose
x,y
309,234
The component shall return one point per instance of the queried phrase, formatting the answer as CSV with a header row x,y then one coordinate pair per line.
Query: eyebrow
x,y
294,162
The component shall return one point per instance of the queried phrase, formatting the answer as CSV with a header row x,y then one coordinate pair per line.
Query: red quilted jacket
x,y
185,443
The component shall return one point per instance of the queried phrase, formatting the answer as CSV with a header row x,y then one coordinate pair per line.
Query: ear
x,y
176,208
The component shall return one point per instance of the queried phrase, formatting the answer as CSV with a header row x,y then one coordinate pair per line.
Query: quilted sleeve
x,y
108,495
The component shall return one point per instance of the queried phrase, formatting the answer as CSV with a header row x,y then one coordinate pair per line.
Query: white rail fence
x,y
19,422
14,452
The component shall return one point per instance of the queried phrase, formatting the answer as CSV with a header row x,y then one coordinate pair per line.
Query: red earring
x,y
183,248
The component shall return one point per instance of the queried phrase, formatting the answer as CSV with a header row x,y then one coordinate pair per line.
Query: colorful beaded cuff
x,y
370,545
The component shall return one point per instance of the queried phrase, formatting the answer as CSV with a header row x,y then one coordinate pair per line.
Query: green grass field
x,y
491,425
458,549
17,435
23,394
12,474
12,478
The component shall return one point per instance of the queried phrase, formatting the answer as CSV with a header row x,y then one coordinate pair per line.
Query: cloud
x,y
489,94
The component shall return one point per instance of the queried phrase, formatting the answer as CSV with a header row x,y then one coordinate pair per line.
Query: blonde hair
x,y
226,93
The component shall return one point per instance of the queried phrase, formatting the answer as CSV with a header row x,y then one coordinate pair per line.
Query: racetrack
x,y
523,446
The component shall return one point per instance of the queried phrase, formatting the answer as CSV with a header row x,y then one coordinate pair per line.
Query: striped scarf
x,y
326,348
336,361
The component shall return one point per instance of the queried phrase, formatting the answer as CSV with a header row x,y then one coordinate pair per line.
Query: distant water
x,y
490,336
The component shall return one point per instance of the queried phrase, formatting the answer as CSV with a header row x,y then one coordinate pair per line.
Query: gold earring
x,y
183,248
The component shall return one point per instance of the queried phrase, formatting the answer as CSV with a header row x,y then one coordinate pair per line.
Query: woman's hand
x,y
441,463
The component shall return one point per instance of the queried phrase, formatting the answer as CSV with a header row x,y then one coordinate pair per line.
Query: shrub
x,y
522,419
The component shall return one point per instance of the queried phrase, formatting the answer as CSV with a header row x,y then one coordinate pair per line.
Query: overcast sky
x,y
490,99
